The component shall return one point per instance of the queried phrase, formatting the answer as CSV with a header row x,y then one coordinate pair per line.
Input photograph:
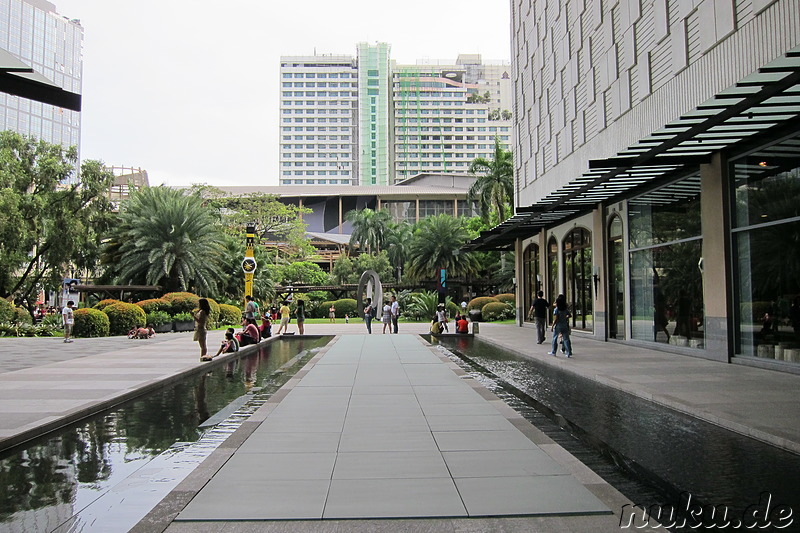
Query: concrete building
x,y
374,124
657,153
40,72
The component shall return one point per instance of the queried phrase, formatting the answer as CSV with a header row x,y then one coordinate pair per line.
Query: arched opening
x,y
532,276
577,248
616,280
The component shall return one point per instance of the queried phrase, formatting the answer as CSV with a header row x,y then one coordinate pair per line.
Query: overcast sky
x,y
189,90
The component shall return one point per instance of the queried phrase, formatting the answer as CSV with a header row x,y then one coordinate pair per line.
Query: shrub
x,y
22,316
345,305
123,317
322,309
496,311
154,304
91,323
158,318
479,302
507,298
452,308
26,330
102,304
213,318
181,302
423,305
229,315
6,311
186,317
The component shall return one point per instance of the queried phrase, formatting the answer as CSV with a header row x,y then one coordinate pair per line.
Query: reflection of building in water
x,y
125,180
657,156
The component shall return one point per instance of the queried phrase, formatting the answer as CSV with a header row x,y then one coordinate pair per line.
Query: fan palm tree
x,y
494,187
369,228
164,237
435,244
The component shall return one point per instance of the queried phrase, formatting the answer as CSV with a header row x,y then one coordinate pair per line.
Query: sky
x,y
189,90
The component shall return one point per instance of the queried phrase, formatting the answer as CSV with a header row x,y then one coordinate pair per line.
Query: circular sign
x,y
249,265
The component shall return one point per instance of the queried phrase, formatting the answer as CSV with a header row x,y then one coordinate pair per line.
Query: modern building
x,y
40,72
657,153
374,105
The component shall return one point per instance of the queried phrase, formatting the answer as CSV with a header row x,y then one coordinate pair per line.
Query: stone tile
x,y
276,466
482,440
377,465
458,409
470,423
388,441
393,498
505,463
263,440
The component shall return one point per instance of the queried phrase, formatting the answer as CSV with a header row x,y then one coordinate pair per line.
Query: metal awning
x,y
763,101
20,79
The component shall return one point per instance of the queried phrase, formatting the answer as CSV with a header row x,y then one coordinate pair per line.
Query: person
x,y
273,313
368,315
300,313
284,311
561,316
266,326
539,313
436,326
142,333
441,315
462,326
69,320
386,318
395,312
249,334
249,308
332,314
201,325
347,318
235,341
229,345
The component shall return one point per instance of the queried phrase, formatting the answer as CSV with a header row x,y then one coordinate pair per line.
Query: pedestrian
x,y
395,312
284,312
539,313
266,326
347,318
332,314
300,313
561,316
200,325
368,315
250,308
69,320
462,326
441,316
386,318
249,334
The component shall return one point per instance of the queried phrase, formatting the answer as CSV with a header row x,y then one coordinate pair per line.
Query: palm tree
x,y
164,237
494,187
398,239
369,228
436,244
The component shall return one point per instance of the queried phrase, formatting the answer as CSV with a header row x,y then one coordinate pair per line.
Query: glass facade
x,y
667,303
578,277
374,95
530,264
403,211
552,270
616,279
766,244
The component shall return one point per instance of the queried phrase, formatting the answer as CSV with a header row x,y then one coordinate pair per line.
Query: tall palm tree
x,y
435,244
398,240
369,228
494,187
164,237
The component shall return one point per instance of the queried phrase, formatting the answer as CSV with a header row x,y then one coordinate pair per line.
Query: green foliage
x,y
507,298
123,317
322,309
91,323
231,285
6,311
48,219
302,273
453,308
345,306
348,270
229,315
168,238
398,241
181,302
369,228
27,330
436,244
214,316
422,305
496,311
494,188
158,318
22,316
55,321
102,304
154,304
479,302
185,316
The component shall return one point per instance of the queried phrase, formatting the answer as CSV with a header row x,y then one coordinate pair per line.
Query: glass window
x,y
552,270
578,277
616,279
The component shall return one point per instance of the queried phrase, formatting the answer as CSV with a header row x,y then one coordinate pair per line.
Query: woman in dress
x,y
332,314
386,318
201,325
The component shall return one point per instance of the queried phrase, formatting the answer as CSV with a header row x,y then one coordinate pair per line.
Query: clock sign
x,y
249,265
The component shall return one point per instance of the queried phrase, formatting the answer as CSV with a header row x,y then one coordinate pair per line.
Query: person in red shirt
x,y
462,326
248,335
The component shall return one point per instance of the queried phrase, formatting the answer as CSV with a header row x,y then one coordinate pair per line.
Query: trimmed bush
x,y
158,318
123,317
213,318
479,302
453,309
496,311
22,316
181,302
6,311
229,315
345,305
186,317
91,323
507,298
102,304
154,304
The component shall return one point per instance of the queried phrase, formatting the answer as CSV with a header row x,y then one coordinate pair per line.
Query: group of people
x,y
560,325
389,315
439,322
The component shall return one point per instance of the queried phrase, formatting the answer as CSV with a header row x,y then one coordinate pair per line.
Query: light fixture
x,y
762,163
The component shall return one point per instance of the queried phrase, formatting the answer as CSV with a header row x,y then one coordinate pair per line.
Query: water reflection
x,y
52,479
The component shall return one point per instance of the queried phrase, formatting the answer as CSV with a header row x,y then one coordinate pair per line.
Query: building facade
x,y
33,33
658,172
374,104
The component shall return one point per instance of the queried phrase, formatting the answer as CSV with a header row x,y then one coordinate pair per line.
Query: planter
x,y
163,328
475,315
185,325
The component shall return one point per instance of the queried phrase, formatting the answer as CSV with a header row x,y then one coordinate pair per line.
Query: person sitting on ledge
x,y
462,326
229,345
436,326
248,335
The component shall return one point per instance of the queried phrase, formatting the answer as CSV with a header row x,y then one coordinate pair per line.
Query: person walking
x,y
561,316
441,317
201,325
250,309
69,320
368,314
395,312
300,313
538,311
284,311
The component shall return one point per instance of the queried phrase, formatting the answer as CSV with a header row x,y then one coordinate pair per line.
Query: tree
x,y
348,270
231,285
166,237
436,244
494,187
494,114
302,273
49,225
369,228
398,239
506,114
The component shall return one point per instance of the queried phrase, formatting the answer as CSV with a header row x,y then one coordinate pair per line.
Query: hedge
x,y
181,302
6,311
345,306
480,301
214,316
496,311
22,316
229,315
154,305
123,317
453,309
158,318
102,304
507,298
322,309
90,323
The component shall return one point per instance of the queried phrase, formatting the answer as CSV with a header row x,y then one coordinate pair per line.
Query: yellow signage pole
x,y
249,262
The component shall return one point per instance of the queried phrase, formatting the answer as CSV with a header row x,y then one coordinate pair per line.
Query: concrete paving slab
x,y
449,441
375,465
505,463
392,498
264,439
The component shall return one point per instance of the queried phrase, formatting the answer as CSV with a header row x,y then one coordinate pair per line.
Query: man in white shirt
x,y
395,313
69,320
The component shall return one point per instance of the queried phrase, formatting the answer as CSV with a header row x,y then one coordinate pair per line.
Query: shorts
x,y
285,321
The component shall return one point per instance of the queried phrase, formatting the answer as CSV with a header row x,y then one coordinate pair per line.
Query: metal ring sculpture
x,y
369,286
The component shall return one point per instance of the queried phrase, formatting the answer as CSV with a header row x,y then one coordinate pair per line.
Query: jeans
x,y
540,325
394,323
369,324
565,335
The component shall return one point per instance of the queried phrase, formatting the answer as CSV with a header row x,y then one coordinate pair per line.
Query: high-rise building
x,y
318,120
374,101
32,32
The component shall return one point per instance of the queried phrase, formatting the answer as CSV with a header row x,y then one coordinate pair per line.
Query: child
x,y
229,345
347,318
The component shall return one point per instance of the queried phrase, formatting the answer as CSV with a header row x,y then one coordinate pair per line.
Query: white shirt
x,y
395,308
69,317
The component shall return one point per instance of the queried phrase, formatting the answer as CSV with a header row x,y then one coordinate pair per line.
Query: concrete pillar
x,y
599,267
519,272
714,208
